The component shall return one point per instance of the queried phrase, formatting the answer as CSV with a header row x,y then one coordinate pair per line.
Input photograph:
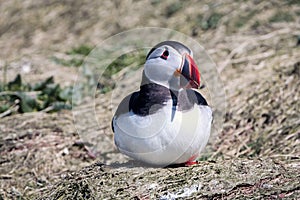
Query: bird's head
x,y
171,64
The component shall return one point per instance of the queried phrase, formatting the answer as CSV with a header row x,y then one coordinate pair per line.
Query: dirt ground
x,y
256,46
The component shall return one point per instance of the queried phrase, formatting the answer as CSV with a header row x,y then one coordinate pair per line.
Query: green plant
x,y
133,59
243,19
81,50
281,17
256,146
155,2
76,56
173,8
209,22
255,25
291,2
19,97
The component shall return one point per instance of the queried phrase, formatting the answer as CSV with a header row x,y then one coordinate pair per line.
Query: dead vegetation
x,y
210,180
256,47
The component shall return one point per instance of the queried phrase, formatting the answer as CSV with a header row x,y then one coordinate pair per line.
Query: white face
x,y
161,67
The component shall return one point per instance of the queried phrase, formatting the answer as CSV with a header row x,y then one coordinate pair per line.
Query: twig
x,y
284,155
5,74
5,113
8,93
231,55
13,108
48,109
273,34
123,71
239,49
254,57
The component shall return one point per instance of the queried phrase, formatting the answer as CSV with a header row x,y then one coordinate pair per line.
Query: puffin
x,y
167,122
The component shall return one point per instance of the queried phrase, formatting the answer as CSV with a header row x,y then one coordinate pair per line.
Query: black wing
x,y
124,107
188,98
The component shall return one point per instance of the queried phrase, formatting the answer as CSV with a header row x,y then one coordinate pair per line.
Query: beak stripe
x,y
190,71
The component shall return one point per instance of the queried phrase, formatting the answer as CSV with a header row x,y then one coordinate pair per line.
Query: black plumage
x,y
153,97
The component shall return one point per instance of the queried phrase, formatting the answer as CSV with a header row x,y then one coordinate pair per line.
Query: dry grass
x,y
263,119
224,179
255,48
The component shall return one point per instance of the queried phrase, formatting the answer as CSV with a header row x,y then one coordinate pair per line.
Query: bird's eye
x,y
165,55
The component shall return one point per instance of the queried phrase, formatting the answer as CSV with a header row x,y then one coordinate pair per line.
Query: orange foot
x,y
191,161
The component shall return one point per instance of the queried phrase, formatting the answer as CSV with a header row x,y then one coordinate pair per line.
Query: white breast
x,y
163,138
